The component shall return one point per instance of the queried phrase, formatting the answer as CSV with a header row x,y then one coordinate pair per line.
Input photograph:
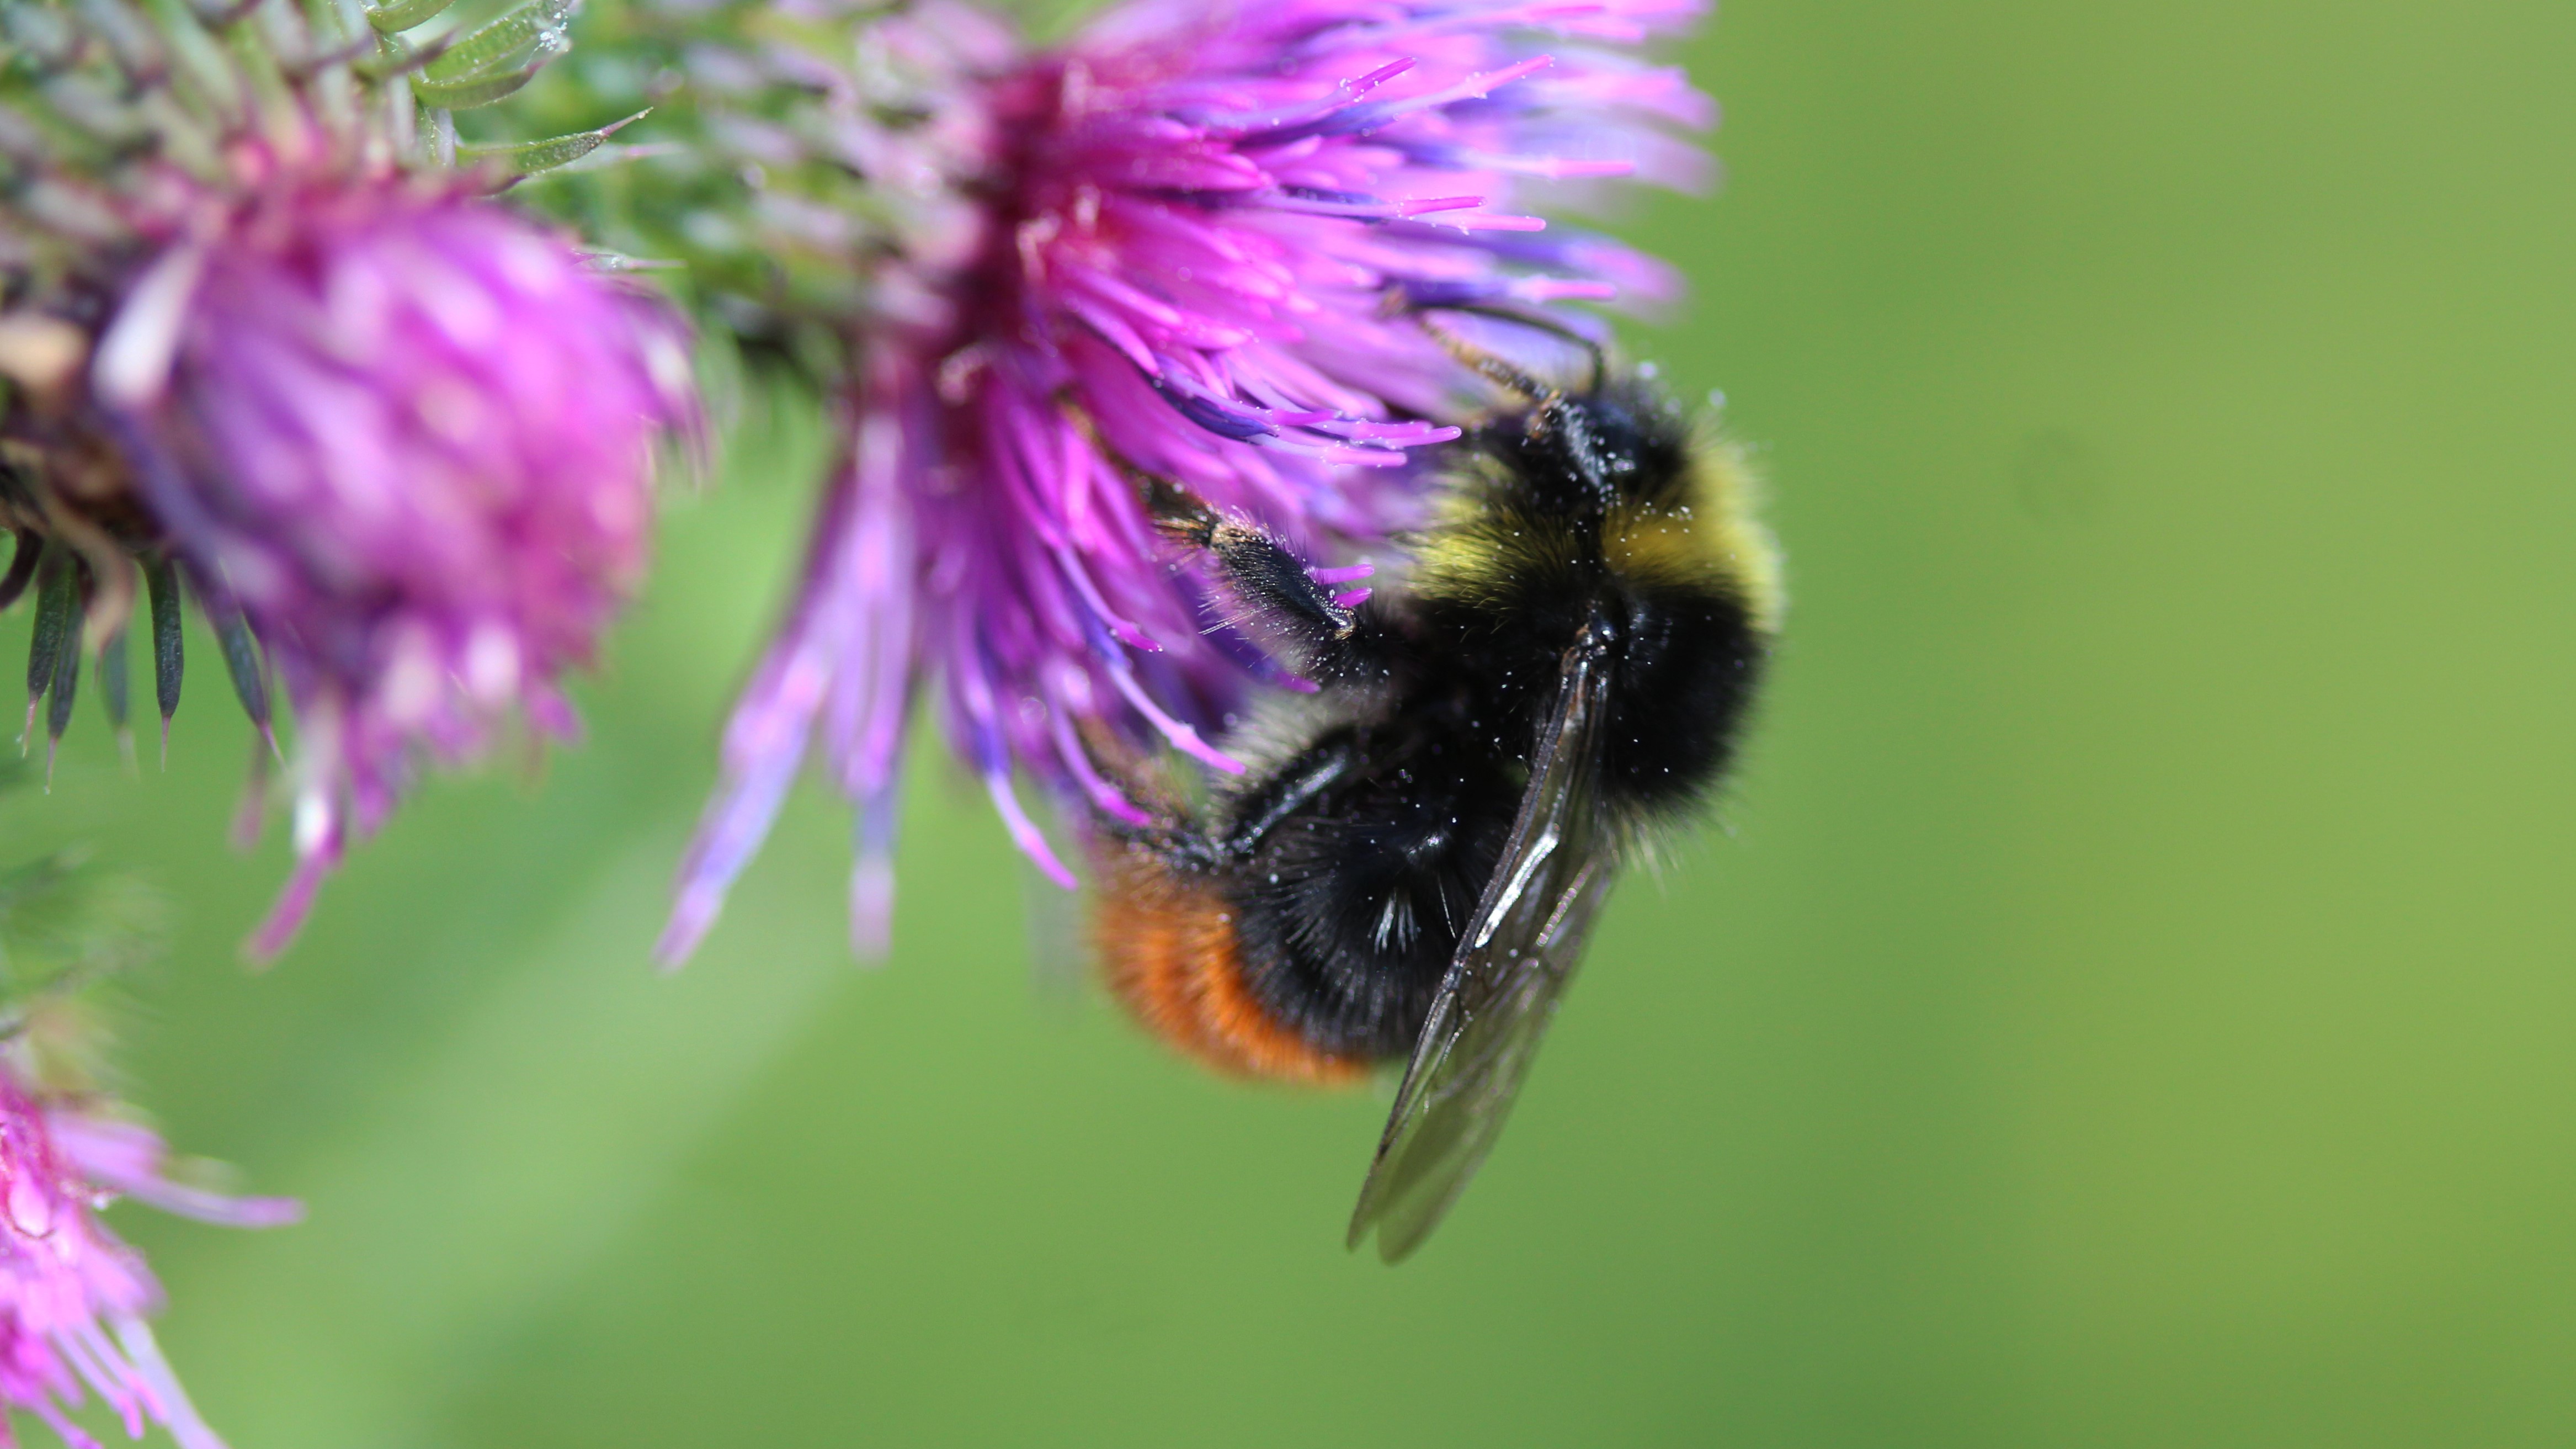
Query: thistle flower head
x,y
396,439
407,437
1200,247
72,1296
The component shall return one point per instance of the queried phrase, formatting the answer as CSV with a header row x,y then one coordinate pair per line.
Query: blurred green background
x,y
2133,1004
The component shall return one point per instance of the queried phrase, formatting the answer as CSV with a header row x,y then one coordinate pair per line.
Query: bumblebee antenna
x,y
1488,366
1549,325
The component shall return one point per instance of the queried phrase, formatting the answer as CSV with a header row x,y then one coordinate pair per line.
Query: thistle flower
x,y
1197,243
72,1296
396,439
407,437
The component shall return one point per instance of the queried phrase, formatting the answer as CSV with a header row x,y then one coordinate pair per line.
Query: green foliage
x,y
533,31
66,921
402,15
746,173
88,87
527,158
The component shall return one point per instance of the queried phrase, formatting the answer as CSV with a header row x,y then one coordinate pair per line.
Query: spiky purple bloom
x,y
265,335
408,436
1210,236
72,1296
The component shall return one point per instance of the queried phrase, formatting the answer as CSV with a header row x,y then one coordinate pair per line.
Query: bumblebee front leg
x,y
1285,604
1283,601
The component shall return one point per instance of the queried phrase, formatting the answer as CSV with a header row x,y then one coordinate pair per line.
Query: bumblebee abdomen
x,y
1348,910
1171,947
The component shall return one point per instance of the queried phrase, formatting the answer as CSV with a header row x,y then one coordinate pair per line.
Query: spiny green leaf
x,y
400,15
490,50
526,158
465,95
394,56
169,649
54,590
241,660
67,663
113,683
22,566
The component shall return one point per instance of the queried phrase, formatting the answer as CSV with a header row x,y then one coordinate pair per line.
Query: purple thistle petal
x,y
1189,243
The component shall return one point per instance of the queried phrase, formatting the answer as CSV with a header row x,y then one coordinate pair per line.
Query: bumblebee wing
x,y
1519,950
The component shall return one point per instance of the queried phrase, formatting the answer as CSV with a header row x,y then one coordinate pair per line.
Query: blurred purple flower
x,y
407,437
72,1296
1205,234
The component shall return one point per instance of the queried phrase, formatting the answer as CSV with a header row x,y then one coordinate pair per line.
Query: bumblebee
x,y
1412,863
